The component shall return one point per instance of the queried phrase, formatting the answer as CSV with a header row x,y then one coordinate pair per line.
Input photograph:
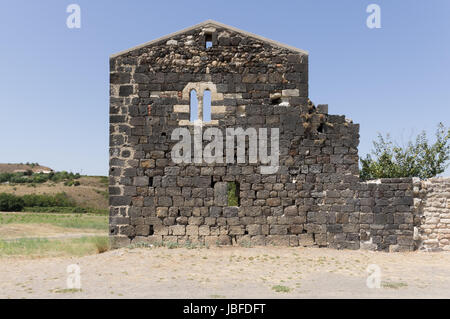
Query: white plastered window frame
x,y
200,88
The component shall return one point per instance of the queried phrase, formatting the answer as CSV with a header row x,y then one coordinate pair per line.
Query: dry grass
x,y
102,244
49,235
38,248
79,221
8,231
280,288
393,284
66,291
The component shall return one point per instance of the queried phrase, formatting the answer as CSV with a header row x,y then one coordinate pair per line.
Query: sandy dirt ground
x,y
231,272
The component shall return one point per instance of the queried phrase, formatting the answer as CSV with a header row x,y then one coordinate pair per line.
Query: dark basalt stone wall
x,y
314,199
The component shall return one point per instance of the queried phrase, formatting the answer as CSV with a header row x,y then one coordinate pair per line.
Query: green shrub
x,y
72,183
10,203
57,200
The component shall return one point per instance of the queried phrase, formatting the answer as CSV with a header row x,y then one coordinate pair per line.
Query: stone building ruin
x,y
314,199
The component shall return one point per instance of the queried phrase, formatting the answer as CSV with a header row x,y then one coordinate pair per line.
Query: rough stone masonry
x,y
314,199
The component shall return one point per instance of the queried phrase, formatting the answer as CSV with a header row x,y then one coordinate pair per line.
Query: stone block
x,y
119,241
177,230
305,240
221,194
277,240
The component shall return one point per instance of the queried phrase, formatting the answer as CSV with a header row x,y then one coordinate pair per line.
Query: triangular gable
x,y
212,23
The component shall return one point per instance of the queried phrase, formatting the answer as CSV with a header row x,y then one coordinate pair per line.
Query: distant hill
x,y
91,193
34,167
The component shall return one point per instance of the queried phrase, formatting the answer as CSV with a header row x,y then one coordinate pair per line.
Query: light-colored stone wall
x,y
432,201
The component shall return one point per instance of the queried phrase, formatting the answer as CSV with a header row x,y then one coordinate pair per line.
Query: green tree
x,y
416,159
10,203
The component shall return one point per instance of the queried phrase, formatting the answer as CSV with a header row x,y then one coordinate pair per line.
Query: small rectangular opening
x,y
151,231
233,194
208,40
320,128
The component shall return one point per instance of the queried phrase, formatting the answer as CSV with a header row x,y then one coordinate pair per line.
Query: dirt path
x,y
230,272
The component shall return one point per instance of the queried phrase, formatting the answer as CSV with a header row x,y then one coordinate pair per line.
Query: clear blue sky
x,y
54,80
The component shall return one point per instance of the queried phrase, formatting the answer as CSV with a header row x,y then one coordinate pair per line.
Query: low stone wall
x,y
396,214
387,214
405,214
432,209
